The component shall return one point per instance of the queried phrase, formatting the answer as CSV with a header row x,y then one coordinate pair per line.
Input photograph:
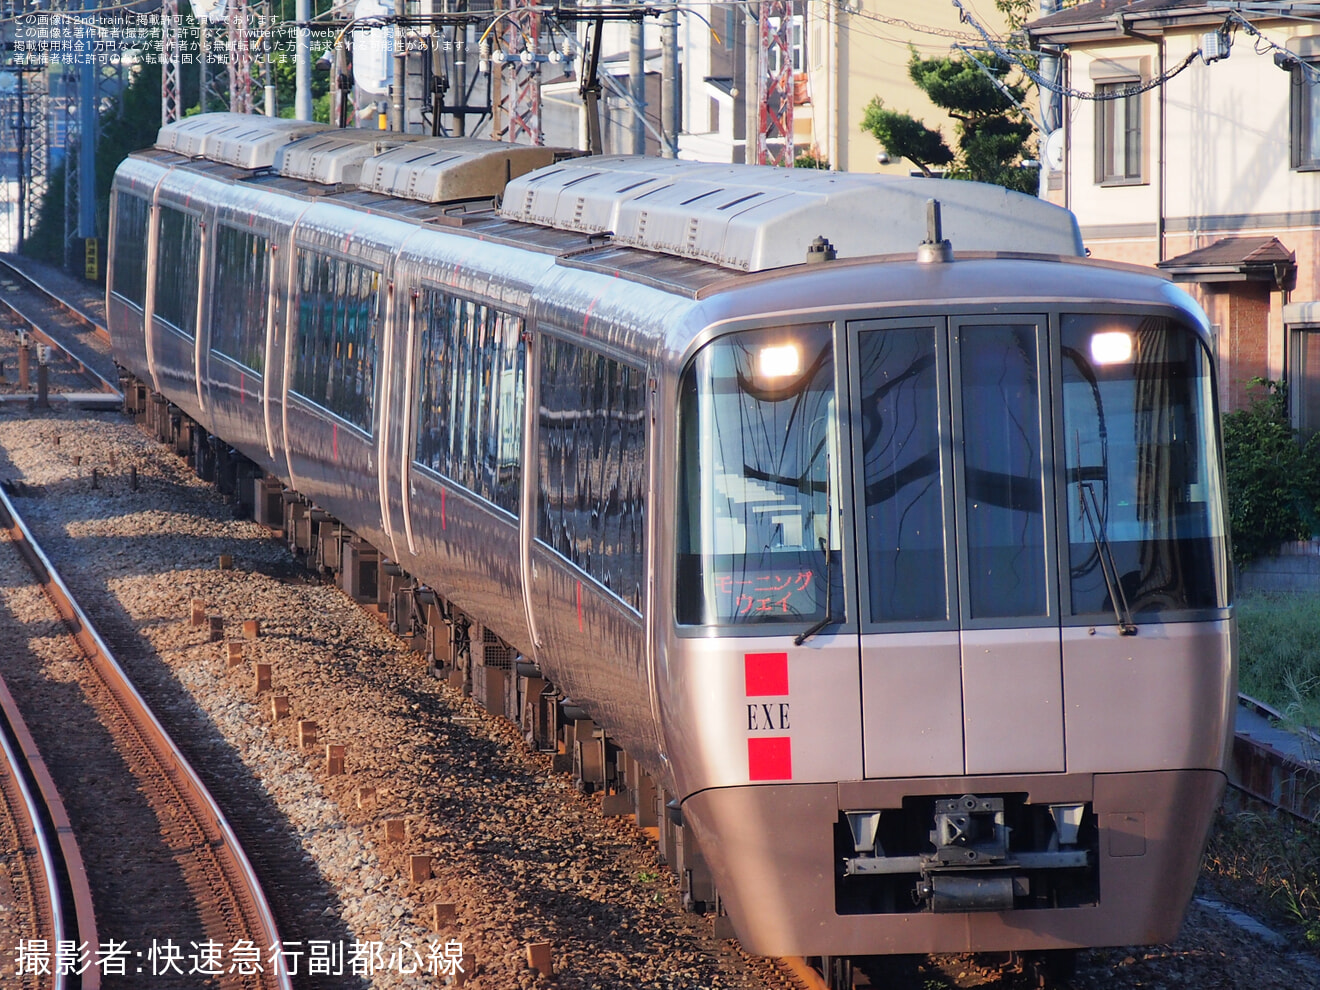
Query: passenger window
x,y
336,337
241,298
132,214
591,498
470,396
179,247
899,421
1002,476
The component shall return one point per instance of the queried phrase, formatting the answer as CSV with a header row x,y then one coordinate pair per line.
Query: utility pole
x,y
1049,71
751,85
460,78
302,57
399,91
637,83
87,120
672,87
22,165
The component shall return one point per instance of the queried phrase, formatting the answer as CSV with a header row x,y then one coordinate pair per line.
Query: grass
x,y
1279,653
1269,865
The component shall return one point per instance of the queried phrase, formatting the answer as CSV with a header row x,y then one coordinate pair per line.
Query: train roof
x,y
739,218
405,166
754,218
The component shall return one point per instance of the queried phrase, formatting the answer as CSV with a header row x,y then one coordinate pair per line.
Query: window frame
x,y
136,255
334,275
1106,143
544,541
190,249
1302,156
218,341
502,494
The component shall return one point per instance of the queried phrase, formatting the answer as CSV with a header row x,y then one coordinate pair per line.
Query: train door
x,y
960,650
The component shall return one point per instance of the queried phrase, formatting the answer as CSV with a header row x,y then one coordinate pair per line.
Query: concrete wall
x,y
1295,570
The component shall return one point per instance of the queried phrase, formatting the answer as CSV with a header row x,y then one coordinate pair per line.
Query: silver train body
x,y
903,571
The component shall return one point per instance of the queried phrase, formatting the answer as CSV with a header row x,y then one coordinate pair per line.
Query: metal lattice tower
x,y
72,169
240,57
775,67
36,108
518,117
171,94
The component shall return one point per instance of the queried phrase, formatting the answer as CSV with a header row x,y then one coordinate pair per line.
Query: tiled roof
x,y
1099,11
1236,259
1233,251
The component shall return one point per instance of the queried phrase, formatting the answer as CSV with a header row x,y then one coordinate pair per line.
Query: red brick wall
x,y
1243,340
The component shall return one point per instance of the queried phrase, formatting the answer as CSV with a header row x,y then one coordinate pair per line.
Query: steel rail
x,y
80,361
81,364
1286,781
56,845
58,300
173,766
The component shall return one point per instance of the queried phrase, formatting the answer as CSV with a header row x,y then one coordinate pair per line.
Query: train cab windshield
x,y
1141,467
759,527
999,460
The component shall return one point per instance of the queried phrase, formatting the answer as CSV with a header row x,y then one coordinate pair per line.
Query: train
x,y
859,534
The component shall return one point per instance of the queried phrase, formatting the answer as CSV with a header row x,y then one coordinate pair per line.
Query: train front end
x,y
951,665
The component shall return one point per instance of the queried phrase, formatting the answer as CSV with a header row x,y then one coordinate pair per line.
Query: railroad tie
x,y
306,734
540,957
419,868
393,831
263,677
198,613
251,628
366,796
217,624
234,652
336,757
226,562
279,707
442,916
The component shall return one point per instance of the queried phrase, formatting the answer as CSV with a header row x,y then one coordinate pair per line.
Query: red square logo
x,y
770,759
765,673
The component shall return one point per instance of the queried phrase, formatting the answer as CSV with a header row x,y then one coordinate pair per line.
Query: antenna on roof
x,y
934,248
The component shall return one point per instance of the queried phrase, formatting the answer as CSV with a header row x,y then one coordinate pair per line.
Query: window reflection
x,y
900,441
338,307
591,502
131,216
1139,435
470,395
177,257
759,481
1002,471
240,300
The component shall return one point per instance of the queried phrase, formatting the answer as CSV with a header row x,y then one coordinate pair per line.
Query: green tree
x,y
992,133
995,138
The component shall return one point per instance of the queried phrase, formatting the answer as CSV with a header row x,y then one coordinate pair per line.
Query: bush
x,y
1272,482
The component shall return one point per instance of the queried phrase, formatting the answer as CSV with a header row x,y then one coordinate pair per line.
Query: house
x,y
1206,165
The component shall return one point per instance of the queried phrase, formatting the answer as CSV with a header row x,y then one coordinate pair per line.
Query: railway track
x,y
1249,752
54,321
46,877
230,901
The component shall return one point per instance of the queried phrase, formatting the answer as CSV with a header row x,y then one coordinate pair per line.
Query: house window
x,y
1305,105
1119,156
794,44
